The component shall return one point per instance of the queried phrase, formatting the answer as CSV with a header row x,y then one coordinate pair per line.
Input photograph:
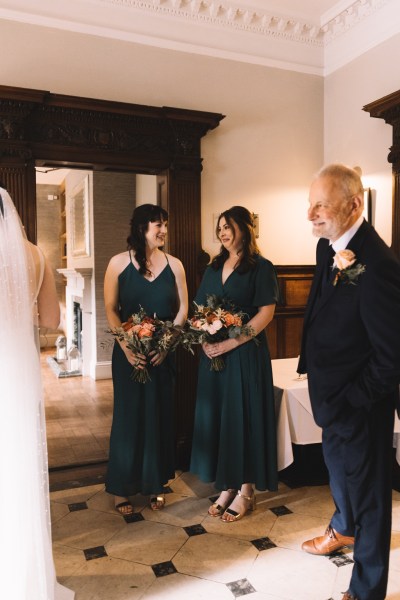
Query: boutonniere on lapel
x,y
348,269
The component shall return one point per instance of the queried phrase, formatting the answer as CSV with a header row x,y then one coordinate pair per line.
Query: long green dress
x,y
141,457
234,439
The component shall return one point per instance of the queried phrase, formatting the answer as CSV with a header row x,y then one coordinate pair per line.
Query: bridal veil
x,y
25,552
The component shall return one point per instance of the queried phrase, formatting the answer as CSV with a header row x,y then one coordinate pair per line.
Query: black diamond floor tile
x,y
77,506
263,544
195,530
242,587
340,559
97,552
163,569
281,510
133,518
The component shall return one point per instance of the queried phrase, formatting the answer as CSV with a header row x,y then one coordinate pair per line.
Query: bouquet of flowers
x,y
144,334
213,323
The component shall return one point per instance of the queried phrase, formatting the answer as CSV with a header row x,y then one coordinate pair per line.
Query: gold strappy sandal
x,y
157,502
237,516
219,510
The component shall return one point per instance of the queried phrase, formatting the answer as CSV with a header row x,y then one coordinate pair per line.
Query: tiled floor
x,y
179,553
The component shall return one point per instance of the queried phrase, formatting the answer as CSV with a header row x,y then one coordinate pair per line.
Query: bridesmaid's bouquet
x,y
212,323
144,334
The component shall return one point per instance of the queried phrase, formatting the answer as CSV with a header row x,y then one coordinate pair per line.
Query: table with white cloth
x,y
295,422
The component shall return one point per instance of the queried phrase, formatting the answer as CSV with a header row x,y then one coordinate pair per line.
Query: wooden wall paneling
x,y
294,284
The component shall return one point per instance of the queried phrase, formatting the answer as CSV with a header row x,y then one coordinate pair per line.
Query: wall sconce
x,y
369,199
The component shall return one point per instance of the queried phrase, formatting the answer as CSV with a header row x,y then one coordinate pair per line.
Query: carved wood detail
x,y
388,108
44,129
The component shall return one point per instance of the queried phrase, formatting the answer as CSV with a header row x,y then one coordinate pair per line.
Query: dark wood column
x,y
183,202
388,108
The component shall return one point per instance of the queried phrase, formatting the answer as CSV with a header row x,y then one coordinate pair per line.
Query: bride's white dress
x,y
27,568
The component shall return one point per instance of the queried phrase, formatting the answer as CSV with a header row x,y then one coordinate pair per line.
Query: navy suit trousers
x,y
358,453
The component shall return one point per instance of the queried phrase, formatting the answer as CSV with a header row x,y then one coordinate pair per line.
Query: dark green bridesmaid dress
x,y
234,439
141,457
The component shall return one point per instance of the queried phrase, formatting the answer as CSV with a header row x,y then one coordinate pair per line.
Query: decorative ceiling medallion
x,y
240,17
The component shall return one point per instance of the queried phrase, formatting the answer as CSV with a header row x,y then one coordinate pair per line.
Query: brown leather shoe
x,y
348,596
330,542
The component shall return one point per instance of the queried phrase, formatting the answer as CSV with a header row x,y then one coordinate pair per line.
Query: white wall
x,y
351,135
146,189
263,153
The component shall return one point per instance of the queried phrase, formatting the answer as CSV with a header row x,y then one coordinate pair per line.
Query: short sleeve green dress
x,y
141,456
234,439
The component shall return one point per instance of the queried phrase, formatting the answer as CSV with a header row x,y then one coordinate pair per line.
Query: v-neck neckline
x,y
145,278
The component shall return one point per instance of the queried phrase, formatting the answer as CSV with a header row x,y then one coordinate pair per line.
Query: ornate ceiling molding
x,y
239,30
349,18
241,17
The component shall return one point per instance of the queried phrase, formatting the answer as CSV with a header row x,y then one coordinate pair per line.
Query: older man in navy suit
x,y
351,353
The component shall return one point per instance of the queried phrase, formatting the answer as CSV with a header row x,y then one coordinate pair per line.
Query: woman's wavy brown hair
x,y
244,220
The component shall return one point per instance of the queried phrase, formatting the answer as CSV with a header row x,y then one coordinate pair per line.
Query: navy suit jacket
x,y
351,336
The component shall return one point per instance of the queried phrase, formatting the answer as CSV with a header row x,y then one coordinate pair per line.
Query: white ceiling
x,y
310,36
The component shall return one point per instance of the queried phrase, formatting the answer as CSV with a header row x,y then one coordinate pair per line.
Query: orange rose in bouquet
x,y
212,323
144,335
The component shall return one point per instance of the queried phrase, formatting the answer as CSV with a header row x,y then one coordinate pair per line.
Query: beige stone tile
x,y
290,531
184,587
87,529
111,579
190,485
67,560
396,515
215,558
79,494
317,504
147,543
395,552
393,589
179,510
58,511
286,495
311,577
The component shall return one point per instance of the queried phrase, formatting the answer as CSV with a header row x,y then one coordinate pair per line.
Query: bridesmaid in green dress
x,y
234,442
141,457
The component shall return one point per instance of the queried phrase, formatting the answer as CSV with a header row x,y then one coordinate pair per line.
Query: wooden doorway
x,y
39,128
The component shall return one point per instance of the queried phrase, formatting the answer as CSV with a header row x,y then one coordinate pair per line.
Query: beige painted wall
x,y
351,135
263,153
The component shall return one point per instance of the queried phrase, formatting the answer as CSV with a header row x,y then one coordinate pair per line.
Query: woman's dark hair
x,y
244,220
142,216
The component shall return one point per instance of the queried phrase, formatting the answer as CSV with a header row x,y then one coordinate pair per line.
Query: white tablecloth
x,y
295,423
